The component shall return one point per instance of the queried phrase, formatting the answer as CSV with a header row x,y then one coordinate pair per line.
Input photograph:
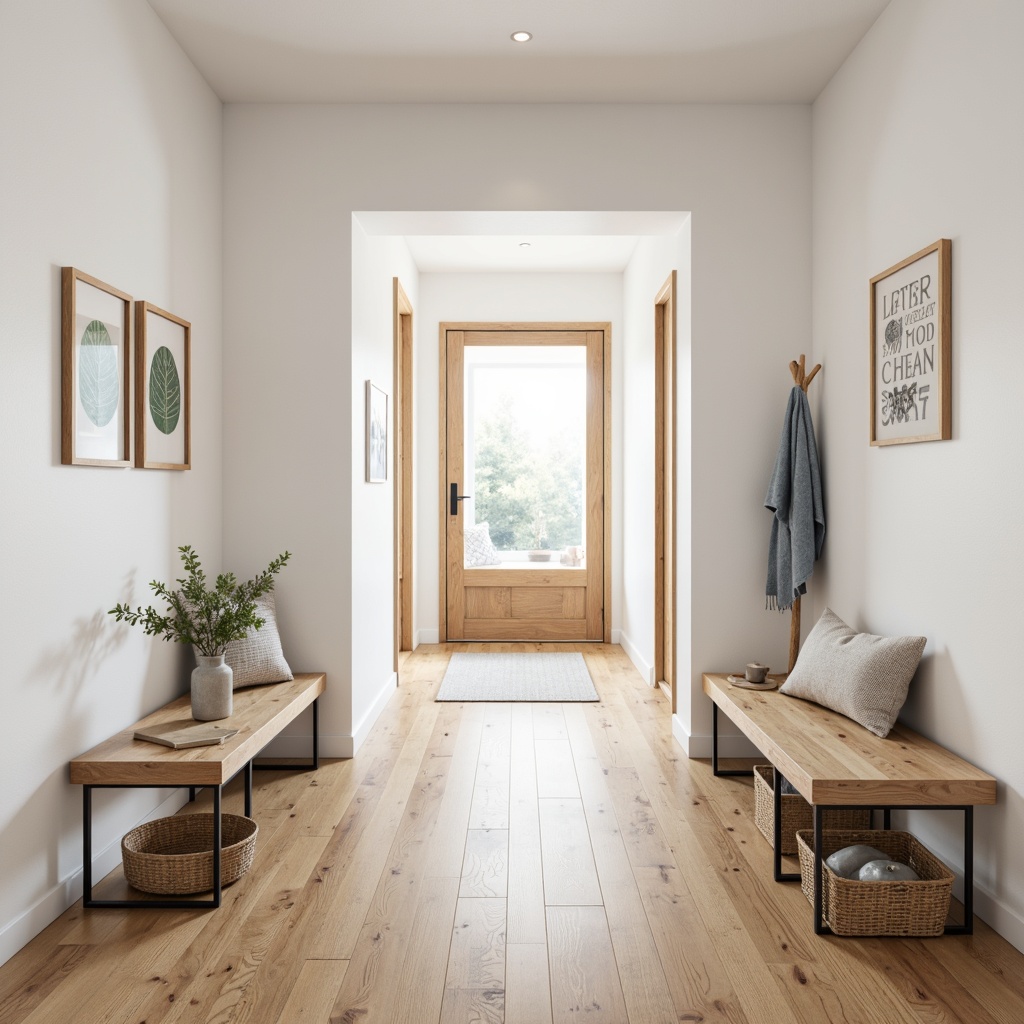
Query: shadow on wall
x,y
936,694
93,641
70,667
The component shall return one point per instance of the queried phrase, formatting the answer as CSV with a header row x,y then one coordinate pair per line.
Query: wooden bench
x,y
835,763
259,714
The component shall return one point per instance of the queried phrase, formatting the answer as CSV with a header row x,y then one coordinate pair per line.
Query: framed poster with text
x,y
911,363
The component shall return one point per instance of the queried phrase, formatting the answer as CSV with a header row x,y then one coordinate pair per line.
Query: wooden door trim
x,y
524,327
665,484
607,539
442,478
403,470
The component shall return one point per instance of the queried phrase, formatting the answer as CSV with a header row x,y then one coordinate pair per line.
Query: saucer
x,y
744,683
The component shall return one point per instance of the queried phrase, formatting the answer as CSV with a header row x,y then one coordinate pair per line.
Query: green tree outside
x,y
531,494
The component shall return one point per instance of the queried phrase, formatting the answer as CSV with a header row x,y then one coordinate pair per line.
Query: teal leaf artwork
x,y
98,384
164,391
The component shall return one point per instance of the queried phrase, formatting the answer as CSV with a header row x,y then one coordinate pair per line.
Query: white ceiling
x,y
627,51
490,240
585,253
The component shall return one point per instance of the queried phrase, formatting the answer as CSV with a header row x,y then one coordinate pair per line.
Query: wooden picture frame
x,y
163,389
376,434
911,358
96,375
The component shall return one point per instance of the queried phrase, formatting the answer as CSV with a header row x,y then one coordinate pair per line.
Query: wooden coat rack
x,y
802,379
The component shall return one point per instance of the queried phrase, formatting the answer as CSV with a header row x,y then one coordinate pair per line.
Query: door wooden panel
x,y
488,602
524,629
574,602
520,600
537,603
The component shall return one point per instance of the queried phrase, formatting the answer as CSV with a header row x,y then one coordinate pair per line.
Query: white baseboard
x,y
695,745
427,636
680,735
366,723
645,669
49,906
998,916
616,636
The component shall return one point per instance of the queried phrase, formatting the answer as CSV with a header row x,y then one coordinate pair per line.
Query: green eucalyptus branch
x,y
207,619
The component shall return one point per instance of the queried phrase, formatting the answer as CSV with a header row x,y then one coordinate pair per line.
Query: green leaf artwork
x,y
98,384
164,391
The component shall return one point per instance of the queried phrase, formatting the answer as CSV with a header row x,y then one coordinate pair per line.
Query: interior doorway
x,y
525,471
403,433
665,489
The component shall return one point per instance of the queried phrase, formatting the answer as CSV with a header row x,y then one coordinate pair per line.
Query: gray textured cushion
x,y
860,675
480,550
259,659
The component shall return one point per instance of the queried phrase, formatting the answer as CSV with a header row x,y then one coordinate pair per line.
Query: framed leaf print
x,y
95,372
163,435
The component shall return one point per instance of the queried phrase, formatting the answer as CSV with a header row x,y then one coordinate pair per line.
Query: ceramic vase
x,y
211,688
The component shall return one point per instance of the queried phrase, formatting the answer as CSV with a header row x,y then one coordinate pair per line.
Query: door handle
x,y
456,498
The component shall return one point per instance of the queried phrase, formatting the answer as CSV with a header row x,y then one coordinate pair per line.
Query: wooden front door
x,y
524,482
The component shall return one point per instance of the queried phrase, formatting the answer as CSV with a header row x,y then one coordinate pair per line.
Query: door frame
x,y
544,325
665,633
403,471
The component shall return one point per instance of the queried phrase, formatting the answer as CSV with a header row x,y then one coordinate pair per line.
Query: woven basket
x,y
796,812
174,856
852,907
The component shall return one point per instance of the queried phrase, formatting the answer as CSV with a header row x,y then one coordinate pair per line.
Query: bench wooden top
x,y
260,714
833,760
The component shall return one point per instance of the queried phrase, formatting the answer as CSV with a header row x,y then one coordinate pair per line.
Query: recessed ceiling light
x,y
524,245
521,37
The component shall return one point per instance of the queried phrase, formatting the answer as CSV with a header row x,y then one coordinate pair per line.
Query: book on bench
x,y
185,733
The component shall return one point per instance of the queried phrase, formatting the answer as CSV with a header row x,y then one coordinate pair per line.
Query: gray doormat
x,y
526,677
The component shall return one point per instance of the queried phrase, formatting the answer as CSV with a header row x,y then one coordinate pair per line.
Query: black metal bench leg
x,y
87,845
248,789
216,845
316,734
820,928
88,900
780,875
967,927
314,762
968,870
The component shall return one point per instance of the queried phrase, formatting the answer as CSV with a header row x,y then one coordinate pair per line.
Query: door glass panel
x,y
525,455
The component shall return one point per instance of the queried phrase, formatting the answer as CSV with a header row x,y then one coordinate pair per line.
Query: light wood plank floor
x,y
534,864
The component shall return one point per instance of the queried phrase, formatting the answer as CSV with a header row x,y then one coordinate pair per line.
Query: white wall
x,y
919,136
500,297
112,164
653,260
376,261
293,177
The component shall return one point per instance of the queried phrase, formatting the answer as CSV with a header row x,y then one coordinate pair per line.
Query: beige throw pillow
x,y
860,675
259,658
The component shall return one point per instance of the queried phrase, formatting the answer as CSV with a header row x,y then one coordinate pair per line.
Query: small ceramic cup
x,y
756,672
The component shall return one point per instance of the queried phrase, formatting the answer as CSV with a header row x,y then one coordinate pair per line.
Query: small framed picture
x,y
376,434
163,384
911,362
95,428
